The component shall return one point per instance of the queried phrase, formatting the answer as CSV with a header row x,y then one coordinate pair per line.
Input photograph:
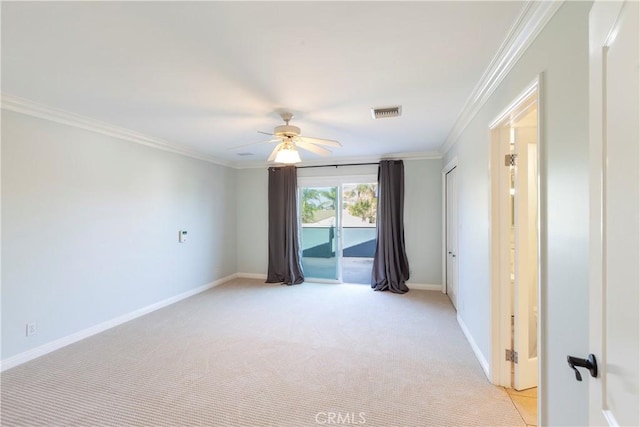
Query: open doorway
x,y
515,243
337,220
450,173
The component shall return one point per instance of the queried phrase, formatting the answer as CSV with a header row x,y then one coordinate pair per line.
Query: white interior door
x,y
452,235
615,213
525,284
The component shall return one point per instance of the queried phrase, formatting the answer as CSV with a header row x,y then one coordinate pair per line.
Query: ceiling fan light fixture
x,y
286,130
288,155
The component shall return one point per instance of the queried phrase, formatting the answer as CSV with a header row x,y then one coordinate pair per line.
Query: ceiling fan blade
x,y
266,133
274,153
320,141
313,148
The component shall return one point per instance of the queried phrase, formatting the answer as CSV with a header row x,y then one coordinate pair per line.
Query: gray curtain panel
x,y
390,264
284,251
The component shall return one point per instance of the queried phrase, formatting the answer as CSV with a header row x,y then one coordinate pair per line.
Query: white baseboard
x,y
28,355
475,348
424,287
251,276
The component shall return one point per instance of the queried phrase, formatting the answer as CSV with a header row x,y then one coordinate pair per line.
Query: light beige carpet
x,y
253,354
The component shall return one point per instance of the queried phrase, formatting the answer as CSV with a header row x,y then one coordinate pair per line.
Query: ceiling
x,y
208,75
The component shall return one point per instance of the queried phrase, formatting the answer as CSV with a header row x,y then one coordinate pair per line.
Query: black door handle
x,y
589,363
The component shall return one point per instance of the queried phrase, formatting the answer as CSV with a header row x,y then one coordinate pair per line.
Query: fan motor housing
x,y
286,130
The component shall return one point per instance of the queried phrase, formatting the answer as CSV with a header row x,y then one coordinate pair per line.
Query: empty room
x,y
375,213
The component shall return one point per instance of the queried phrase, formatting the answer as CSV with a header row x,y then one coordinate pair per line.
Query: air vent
x,y
245,154
381,113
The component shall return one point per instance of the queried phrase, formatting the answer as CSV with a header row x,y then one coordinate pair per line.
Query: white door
x,y
614,213
525,289
452,236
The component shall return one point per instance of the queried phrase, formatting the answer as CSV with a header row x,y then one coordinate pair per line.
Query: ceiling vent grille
x,y
382,113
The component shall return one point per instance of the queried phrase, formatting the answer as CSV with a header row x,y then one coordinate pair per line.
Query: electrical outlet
x,y
32,329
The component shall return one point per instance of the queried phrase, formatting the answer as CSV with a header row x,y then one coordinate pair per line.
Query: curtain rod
x,y
335,166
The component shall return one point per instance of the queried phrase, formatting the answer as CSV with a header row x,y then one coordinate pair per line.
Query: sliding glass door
x,y
338,228
359,208
320,225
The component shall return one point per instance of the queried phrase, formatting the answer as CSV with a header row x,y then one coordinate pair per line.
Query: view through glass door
x,y
338,231
319,225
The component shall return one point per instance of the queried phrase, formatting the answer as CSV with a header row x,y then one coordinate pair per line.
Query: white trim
x,y
424,286
251,276
534,17
28,355
476,350
533,86
34,109
542,249
453,163
608,416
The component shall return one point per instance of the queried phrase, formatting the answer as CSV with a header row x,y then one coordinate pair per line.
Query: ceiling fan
x,y
289,140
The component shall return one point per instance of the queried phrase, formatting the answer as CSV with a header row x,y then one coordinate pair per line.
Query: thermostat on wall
x,y
182,236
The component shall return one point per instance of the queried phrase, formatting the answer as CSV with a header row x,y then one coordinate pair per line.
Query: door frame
x,y
452,164
499,368
332,181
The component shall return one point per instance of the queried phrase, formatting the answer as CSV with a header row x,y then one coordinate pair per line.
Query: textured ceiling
x,y
209,75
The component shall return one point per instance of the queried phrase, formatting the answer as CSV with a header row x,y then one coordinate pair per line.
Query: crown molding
x,y
427,155
34,109
532,19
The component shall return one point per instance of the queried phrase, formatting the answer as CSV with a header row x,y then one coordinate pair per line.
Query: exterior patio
x,y
354,269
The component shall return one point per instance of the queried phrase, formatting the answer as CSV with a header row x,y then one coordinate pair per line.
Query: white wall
x,y
423,216
90,228
423,220
561,53
253,220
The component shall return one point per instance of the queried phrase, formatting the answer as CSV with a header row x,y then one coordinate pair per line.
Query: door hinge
x,y
510,159
511,356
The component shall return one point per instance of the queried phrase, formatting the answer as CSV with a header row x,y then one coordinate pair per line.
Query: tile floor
x,y
526,402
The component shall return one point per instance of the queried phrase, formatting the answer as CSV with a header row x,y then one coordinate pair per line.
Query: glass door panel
x,y
358,220
319,238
